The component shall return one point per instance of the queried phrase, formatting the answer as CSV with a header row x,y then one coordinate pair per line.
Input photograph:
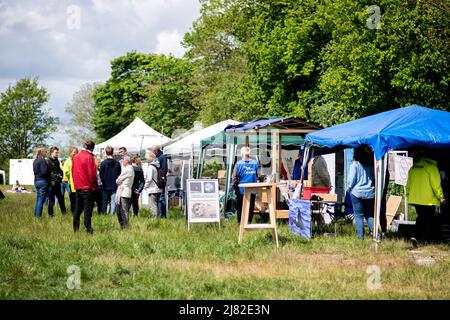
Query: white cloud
x,y
35,39
102,6
170,42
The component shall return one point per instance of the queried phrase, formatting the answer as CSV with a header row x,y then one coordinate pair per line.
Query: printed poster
x,y
203,200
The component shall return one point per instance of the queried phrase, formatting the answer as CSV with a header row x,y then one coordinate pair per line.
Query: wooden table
x,y
264,189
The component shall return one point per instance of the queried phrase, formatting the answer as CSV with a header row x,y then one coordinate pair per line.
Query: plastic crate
x,y
308,191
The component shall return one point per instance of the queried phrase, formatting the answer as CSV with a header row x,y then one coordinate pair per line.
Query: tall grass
x,y
160,259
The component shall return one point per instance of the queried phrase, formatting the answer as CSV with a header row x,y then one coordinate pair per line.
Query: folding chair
x,y
342,210
322,203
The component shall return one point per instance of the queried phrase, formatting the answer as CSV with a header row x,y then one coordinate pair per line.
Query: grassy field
x,y
160,259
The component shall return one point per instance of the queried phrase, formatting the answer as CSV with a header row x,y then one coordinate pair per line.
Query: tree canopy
x,y
26,123
322,60
329,61
155,87
82,111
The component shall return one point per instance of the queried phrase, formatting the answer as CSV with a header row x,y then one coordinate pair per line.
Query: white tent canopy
x,y
186,145
135,137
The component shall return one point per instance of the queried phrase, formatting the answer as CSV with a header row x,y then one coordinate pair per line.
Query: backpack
x,y
160,180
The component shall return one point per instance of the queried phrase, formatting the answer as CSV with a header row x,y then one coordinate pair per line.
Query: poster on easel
x,y
203,201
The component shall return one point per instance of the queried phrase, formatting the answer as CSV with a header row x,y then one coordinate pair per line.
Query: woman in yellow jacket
x,y
68,176
424,191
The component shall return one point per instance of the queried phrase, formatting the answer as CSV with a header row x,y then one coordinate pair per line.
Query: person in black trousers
x,y
84,172
163,163
138,183
109,172
56,175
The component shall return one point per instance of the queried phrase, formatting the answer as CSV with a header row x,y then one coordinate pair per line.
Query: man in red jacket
x,y
84,173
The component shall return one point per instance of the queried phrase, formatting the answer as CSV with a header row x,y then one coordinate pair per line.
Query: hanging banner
x,y
402,166
203,200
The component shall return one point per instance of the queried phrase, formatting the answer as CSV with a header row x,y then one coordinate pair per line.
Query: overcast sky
x,y
68,43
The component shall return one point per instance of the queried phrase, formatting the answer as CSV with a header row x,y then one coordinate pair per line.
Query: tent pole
x,y
274,156
406,204
302,174
191,167
201,159
379,187
230,146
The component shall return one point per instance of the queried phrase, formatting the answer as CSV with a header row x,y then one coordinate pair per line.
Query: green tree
x,y
222,85
369,70
81,127
151,86
119,99
321,60
169,99
25,123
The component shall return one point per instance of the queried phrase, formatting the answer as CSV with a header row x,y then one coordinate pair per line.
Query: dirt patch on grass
x,y
285,265
279,265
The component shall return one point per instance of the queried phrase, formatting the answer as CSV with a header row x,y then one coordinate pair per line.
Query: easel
x,y
266,190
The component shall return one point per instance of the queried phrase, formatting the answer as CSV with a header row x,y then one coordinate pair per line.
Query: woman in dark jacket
x,y
138,183
41,180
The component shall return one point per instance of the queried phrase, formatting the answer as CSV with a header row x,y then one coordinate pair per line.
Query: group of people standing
x,y
115,186
423,191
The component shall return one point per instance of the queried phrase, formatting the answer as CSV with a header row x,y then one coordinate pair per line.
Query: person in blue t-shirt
x,y
245,171
296,175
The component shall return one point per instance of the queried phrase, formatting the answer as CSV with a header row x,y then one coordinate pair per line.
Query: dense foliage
x,y
81,109
25,123
154,87
327,61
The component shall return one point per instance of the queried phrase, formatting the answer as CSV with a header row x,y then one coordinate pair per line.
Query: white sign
x,y
402,166
203,200
21,170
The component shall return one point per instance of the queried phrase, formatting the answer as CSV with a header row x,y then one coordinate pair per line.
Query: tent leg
x,y
201,159
380,167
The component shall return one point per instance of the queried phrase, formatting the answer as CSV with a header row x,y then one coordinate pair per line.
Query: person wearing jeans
x,y
363,209
84,172
109,172
360,185
41,180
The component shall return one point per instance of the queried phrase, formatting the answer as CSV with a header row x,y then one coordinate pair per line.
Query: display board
x,y
202,200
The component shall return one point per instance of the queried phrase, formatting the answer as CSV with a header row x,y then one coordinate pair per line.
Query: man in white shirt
x,y
123,195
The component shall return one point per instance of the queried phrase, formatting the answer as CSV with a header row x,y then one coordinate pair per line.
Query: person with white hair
x,y
164,168
153,185
123,195
245,171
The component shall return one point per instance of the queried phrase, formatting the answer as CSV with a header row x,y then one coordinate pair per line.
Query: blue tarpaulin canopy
x,y
402,128
272,123
391,130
